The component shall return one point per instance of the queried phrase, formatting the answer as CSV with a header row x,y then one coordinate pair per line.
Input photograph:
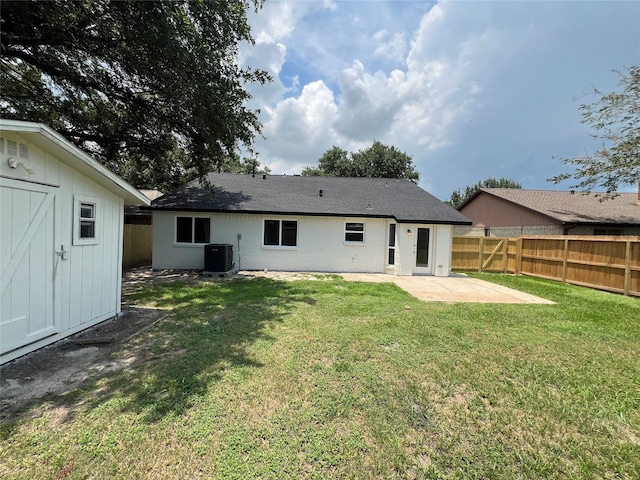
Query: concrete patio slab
x,y
456,288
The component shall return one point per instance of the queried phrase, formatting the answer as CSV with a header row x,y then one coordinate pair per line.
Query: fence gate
x,y
606,263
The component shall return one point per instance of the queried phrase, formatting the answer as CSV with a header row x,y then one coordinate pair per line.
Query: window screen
x,y
281,233
354,232
87,220
193,229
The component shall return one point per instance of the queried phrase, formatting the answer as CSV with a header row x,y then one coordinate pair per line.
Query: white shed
x,y
61,223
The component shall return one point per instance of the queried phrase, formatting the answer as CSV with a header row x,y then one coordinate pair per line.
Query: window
x,y
280,233
87,220
86,216
193,230
354,232
391,259
607,231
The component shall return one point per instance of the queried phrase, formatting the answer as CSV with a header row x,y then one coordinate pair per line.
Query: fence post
x,y
480,254
565,257
505,255
518,256
627,268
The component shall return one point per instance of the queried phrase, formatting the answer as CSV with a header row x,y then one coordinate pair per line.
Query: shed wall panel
x,y
86,286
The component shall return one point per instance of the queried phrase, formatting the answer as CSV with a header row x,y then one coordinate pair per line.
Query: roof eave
x,y
308,214
78,159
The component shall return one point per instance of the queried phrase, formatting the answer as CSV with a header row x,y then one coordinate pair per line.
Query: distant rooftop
x,y
151,194
568,207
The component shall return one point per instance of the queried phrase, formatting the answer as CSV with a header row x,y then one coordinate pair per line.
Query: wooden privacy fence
x,y
137,245
606,263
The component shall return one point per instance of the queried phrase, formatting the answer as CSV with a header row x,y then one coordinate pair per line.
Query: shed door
x,y
27,263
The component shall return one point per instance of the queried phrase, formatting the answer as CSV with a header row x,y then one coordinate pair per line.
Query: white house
x,y
296,223
61,222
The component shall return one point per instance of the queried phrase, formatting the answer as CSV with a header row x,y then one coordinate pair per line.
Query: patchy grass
x,y
329,379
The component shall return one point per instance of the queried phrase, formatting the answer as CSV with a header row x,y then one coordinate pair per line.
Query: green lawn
x,y
329,379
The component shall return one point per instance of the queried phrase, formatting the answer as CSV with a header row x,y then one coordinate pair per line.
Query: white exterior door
x,y
423,252
28,239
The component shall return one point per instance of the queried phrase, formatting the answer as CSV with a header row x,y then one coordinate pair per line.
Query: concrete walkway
x,y
457,288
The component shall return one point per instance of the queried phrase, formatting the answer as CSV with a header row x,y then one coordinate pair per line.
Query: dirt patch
x,y
87,355
136,278
69,363
106,347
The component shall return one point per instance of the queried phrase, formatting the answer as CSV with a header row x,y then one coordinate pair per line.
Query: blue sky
x,y
469,89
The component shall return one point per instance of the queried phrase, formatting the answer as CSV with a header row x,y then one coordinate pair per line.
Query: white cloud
x,y
302,127
369,103
269,57
390,45
482,89
275,21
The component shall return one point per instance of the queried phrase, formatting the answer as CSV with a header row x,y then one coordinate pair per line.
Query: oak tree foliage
x,y
458,197
248,165
615,121
378,160
152,89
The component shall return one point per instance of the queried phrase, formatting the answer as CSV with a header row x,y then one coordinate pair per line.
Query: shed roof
x,y
574,208
298,195
65,151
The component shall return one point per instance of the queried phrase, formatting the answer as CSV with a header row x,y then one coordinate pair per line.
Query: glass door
x,y
422,248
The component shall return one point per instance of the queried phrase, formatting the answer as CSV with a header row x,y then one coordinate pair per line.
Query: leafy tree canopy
x,y
378,160
152,89
458,197
615,121
233,164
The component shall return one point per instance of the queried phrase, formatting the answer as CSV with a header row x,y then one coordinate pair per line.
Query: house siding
x,y
527,230
511,231
86,285
321,245
499,217
489,211
440,244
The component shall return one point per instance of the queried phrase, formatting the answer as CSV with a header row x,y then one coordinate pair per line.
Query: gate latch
x,y
64,252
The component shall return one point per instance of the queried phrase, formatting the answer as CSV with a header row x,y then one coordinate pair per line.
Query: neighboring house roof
x,y
298,195
135,209
51,141
571,208
152,194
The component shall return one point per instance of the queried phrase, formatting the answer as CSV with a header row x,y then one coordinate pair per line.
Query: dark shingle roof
x,y
567,207
298,195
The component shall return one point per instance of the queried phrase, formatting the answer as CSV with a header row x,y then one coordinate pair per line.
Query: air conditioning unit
x,y
218,258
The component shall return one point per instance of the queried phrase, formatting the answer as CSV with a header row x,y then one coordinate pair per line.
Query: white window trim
x,y
364,233
281,247
77,201
191,244
389,247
